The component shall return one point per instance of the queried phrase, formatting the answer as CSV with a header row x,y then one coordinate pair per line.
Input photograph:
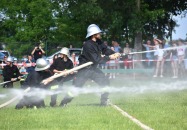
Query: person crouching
x,y
33,80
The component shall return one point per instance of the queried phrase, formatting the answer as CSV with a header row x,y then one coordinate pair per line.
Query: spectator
x,y
149,55
181,54
105,65
30,63
106,43
127,57
38,52
185,57
166,62
22,70
112,65
174,61
117,47
158,54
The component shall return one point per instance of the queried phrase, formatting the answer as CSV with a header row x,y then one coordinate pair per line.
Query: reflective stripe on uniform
x,y
105,89
54,87
70,94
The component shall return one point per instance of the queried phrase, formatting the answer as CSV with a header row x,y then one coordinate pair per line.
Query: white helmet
x,y
41,64
65,51
92,29
10,59
15,59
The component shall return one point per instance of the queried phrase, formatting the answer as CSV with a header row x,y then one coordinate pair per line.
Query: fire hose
x,y
13,99
45,81
165,49
10,81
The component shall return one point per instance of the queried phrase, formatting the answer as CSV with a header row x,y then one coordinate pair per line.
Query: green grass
x,y
159,110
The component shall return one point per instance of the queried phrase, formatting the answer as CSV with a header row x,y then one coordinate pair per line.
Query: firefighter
x,y
62,63
10,73
97,52
33,80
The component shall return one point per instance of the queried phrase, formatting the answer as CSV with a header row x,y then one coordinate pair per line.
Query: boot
x,y
53,100
52,104
65,101
19,106
104,99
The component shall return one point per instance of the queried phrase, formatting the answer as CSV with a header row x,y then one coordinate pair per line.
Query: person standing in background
x,y
38,52
127,57
149,55
174,61
158,55
181,54
30,63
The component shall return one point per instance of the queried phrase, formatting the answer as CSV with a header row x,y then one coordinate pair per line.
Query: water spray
x,y
46,81
10,81
165,49
15,98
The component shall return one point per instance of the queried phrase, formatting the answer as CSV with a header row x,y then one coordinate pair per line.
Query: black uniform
x,y
8,73
92,51
61,65
34,81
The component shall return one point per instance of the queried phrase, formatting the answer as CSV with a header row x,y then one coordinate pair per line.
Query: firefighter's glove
x,y
13,79
46,81
65,73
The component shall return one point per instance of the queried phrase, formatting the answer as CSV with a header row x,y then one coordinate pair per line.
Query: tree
x,y
61,22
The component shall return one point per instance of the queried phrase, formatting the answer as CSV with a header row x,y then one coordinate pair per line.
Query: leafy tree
x,y
64,22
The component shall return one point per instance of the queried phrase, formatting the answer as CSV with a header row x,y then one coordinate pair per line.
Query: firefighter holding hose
x,y
33,80
97,52
61,64
10,73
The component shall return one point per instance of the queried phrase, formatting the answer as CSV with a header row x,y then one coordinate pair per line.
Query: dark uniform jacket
x,y
60,65
92,51
10,72
34,79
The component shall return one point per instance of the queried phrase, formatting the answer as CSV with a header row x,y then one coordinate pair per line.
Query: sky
x,y
181,31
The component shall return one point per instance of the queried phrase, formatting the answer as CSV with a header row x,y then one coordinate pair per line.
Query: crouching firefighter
x,y
97,52
33,80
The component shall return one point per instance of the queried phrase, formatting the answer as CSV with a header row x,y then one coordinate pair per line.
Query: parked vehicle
x,y
2,56
5,52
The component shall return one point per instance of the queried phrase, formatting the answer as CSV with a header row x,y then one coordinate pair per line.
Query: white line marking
x,y
143,126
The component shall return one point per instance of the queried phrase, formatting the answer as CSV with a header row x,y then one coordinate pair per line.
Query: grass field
x,y
158,103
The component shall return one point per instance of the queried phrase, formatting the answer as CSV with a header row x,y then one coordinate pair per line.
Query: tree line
x,y
64,22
